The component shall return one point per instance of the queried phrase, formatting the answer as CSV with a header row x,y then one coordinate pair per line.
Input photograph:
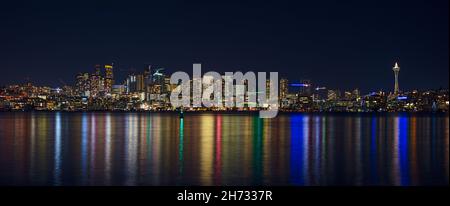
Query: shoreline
x,y
231,112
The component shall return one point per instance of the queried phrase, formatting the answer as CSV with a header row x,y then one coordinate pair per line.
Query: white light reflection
x,y
306,149
108,150
57,166
131,149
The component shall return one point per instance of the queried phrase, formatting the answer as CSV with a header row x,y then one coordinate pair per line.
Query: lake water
x,y
39,148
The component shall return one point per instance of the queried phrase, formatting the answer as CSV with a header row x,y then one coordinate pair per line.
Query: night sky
x,y
337,44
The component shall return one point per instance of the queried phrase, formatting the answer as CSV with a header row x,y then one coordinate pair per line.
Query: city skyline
x,y
110,71
300,40
152,89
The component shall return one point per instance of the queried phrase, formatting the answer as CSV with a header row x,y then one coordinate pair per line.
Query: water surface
x,y
39,148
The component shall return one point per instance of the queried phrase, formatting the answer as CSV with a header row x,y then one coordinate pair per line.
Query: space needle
x,y
396,70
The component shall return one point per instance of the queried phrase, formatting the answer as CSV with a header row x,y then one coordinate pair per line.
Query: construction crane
x,y
157,72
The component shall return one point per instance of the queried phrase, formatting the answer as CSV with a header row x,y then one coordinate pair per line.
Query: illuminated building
x,y
148,75
356,94
347,95
375,101
118,89
283,89
98,70
291,101
109,78
302,93
140,83
96,82
131,83
154,92
83,84
167,85
320,94
268,86
158,79
333,95
396,70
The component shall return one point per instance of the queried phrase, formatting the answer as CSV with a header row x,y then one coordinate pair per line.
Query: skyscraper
x,y
140,83
109,78
131,83
396,70
96,81
148,75
283,88
98,70
83,84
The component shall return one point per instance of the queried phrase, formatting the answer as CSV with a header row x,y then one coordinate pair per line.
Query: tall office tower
x,y
96,81
396,70
82,87
268,86
98,70
131,83
283,88
109,78
101,85
140,83
148,75
94,85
